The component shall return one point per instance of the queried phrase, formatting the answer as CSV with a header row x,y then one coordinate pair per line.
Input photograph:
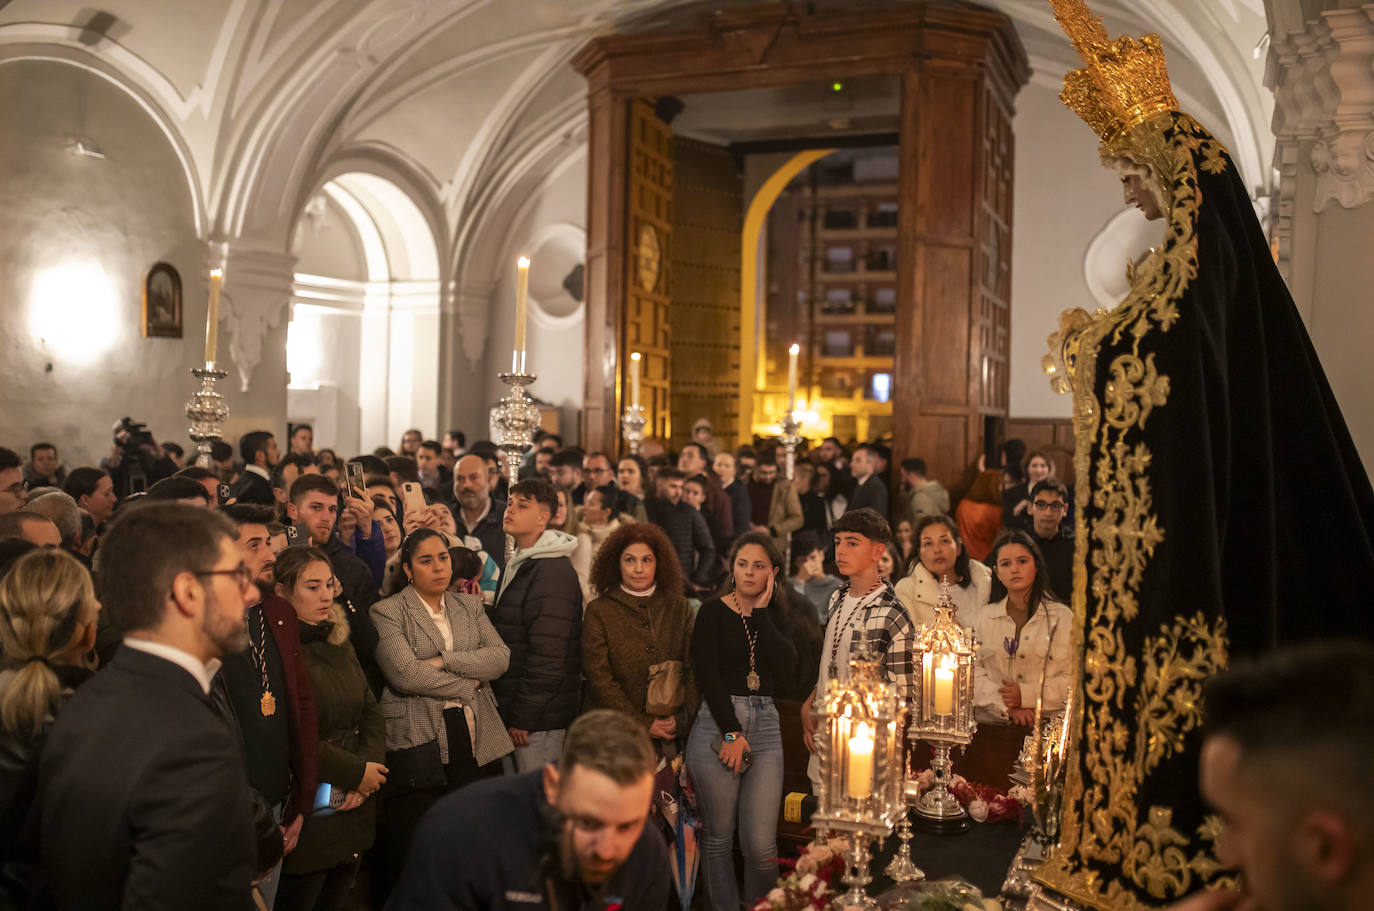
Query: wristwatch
x,y
729,738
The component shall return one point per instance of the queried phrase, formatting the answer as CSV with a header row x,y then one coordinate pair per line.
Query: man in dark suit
x,y
869,490
260,456
144,795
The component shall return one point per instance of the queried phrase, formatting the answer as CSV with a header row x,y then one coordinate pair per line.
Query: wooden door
x,y
708,214
648,267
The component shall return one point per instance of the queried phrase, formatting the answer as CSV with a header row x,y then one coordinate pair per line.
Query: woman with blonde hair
x,y
48,617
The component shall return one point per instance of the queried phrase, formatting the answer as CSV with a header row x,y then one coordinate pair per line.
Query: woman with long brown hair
x,y
638,622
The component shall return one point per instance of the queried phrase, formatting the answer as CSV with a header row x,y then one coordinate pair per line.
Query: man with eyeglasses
x,y
1049,506
13,496
267,688
142,785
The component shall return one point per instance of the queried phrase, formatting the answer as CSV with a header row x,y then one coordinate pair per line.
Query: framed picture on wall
x,y
162,302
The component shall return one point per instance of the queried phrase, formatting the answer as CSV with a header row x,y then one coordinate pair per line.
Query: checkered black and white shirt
x,y
879,625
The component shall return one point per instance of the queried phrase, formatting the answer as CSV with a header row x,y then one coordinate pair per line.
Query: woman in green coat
x,y
318,873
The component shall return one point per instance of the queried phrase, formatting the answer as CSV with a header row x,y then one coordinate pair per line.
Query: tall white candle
x,y
792,377
522,292
944,691
634,379
212,318
860,761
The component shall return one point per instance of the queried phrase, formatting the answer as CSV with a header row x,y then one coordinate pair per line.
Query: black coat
x,y
253,488
872,493
503,865
490,531
691,538
539,617
144,795
360,593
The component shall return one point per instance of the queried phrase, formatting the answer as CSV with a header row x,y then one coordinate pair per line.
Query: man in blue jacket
x,y
571,837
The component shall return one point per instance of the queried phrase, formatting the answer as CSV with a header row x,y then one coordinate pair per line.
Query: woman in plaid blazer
x,y
438,654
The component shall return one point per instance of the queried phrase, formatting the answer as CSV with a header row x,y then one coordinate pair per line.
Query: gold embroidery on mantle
x,y
1101,822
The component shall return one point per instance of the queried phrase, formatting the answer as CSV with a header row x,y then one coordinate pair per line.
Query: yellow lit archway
x,y
751,366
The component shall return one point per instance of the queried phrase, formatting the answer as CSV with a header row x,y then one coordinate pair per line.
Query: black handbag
x,y
414,769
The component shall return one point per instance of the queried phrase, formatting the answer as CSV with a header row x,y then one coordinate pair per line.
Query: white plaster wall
x,y
324,392
556,348
1063,198
1341,322
114,217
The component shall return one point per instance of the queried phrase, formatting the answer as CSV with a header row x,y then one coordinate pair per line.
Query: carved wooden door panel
x,y
708,214
648,260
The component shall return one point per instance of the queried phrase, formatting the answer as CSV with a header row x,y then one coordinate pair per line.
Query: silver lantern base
x,y
632,427
207,412
516,419
938,810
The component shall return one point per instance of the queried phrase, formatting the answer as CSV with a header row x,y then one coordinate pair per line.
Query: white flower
x,y
777,895
806,882
978,809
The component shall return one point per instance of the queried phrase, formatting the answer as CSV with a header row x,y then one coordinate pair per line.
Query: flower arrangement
x,y
808,886
948,895
983,802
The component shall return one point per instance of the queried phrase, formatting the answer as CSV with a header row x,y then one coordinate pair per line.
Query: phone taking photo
x,y
356,479
413,498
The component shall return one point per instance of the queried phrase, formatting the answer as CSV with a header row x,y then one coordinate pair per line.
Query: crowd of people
x,y
301,659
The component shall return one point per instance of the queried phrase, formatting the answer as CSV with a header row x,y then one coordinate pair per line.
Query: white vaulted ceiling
x,y
468,103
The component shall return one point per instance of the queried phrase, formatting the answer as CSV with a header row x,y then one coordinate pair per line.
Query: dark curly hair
x,y
606,567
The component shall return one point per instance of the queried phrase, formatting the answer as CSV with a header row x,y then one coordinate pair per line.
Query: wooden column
x,y
608,138
953,282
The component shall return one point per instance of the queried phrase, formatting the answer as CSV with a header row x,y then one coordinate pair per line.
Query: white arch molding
x,y
96,67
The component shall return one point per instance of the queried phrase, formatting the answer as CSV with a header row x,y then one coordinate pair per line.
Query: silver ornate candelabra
x,y
943,713
859,748
632,427
207,412
516,418
791,437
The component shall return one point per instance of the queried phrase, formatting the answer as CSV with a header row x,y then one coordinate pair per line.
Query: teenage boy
x,y
538,613
865,615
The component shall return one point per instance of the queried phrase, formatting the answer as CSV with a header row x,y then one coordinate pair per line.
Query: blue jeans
x,y
753,797
546,748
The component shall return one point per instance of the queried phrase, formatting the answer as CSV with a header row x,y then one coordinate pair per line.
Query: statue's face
x,y
1138,193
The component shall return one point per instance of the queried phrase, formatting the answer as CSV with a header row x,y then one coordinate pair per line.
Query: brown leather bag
x,y
667,692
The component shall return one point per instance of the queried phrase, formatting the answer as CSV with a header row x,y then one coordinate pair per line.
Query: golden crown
x,y
1125,81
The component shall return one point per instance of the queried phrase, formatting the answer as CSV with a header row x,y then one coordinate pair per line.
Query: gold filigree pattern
x,y
1137,706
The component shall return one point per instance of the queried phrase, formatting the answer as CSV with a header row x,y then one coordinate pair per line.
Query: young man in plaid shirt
x,y
865,616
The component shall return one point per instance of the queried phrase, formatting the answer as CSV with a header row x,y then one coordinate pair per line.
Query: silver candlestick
x,y
632,427
903,869
516,419
207,412
791,437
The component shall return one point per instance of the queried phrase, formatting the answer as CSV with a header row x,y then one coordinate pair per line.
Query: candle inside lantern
x,y
212,319
634,379
522,292
860,762
792,377
944,691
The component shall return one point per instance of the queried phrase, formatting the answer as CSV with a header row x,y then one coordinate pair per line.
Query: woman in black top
x,y
734,753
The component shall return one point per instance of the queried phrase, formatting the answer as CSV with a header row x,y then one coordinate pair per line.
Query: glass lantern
x,y
943,712
859,748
